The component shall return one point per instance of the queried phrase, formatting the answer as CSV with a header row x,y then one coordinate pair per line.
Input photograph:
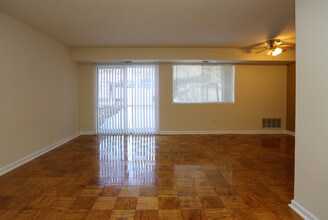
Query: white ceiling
x,y
160,23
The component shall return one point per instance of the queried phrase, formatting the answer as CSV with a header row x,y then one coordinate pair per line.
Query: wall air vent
x,y
271,123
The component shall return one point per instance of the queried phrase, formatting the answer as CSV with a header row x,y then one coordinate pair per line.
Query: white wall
x,y
38,91
311,175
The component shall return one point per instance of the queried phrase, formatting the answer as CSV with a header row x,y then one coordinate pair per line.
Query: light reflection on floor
x,y
127,160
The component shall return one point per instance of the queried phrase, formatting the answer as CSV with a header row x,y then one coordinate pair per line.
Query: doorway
x,y
127,99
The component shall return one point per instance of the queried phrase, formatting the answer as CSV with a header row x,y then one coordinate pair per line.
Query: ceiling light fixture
x,y
274,51
275,47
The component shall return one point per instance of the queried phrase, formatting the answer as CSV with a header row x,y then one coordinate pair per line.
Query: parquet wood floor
x,y
155,177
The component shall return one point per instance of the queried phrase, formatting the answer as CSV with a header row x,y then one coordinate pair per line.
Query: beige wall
x,y
260,92
234,55
37,91
311,176
291,91
86,97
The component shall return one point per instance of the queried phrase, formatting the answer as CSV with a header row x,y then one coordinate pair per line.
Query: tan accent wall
x,y
311,176
291,91
260,92
38,91
170,54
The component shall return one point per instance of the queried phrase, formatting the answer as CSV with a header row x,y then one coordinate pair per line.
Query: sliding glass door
x,y
127,100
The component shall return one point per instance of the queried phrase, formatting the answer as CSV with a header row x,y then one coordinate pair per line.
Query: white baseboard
x,y
36,154
87,132
303,212
212,132
224,132
290,133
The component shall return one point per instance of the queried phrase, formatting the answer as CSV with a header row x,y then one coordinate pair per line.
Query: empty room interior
x,y
167,110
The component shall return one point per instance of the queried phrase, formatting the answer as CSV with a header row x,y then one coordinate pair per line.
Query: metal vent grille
x,y
271,123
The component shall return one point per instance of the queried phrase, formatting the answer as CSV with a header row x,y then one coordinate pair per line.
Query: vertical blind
x,y
127,99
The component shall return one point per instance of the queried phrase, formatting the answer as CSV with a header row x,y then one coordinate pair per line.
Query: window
x,y
197,83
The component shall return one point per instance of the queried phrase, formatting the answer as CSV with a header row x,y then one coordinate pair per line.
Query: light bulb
x,y
276,51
